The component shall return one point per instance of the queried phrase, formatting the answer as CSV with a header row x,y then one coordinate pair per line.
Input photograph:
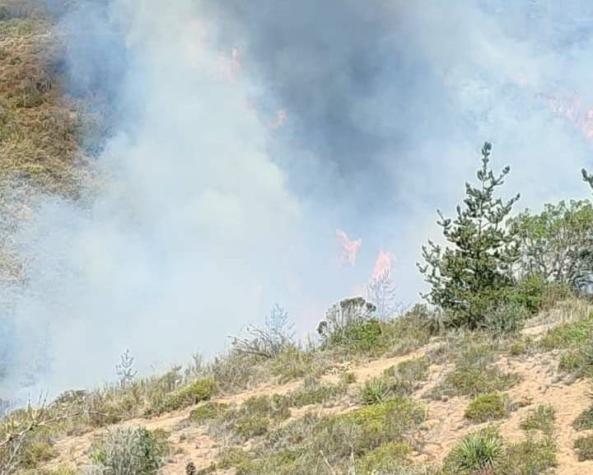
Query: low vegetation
x,y
130,450
488,407
584,447
475,373
541,418
485,451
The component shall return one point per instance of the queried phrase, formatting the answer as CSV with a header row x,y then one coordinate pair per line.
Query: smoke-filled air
x,y
273,152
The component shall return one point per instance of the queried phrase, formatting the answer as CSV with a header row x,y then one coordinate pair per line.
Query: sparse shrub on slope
x,y
475,373
193,393
530,457
389,458
127,451
351,324
540,419
476,453
584,447
312,444
268,342
488,407
400,380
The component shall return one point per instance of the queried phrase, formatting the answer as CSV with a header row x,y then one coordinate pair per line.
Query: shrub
x,y
360,336
234,371
387,458
472,381
475,453
505,317
350,324
37,452
376,390
312,443
584,448
554,243
585,420
269,341
198,391
488,407
410,331
529,457
255,416
313,392
569,335
415,369
541,418
130,450
207,411
385,422
251,425
292,363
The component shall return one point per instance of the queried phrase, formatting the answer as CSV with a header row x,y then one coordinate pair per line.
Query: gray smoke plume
x,y
243,134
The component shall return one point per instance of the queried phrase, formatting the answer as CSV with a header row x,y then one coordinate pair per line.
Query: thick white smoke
x,y
191,234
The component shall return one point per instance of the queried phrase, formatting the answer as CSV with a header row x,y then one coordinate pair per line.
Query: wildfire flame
x,y
574,112
279,120
383,264
349,248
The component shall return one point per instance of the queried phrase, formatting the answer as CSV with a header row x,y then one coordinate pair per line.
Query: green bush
x,y
529,457
584,448
387,458
413,370
505,317
541,418
37,452
476,453
293,363
385,422
359,336
313,392
488,407
473,381
198,391
251,425
376,390
207,412
585,420
255,416
529,293
569,335
128,451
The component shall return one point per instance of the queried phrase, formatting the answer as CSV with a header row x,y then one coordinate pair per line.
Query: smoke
x,y
242,135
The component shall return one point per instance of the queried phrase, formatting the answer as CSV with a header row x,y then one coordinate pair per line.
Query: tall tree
x,y
472,273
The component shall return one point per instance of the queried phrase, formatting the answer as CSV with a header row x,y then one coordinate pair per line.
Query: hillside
x,y
403,405
40,128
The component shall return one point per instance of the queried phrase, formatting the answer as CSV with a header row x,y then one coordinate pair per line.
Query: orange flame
x,y
383,264
348,247
279,120
574,112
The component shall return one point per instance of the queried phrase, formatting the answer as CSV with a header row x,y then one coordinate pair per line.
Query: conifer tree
x,y
471,274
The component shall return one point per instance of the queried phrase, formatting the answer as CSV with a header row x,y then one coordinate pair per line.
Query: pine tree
x,y
471,275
